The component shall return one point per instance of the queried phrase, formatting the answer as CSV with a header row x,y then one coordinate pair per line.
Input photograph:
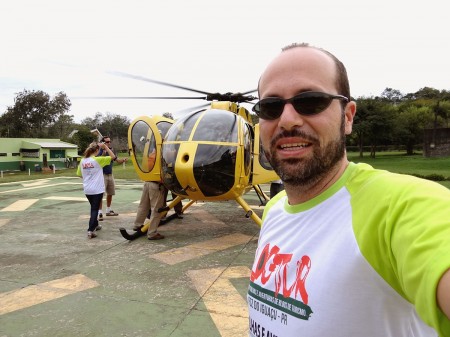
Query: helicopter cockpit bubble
x,y
144,145
206,146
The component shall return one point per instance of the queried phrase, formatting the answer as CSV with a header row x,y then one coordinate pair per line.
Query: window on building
x,y
57,153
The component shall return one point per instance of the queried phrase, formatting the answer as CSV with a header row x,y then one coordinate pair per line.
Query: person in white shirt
x,y
91,170
346,250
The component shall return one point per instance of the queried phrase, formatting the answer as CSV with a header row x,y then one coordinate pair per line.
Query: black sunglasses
x,y
307,103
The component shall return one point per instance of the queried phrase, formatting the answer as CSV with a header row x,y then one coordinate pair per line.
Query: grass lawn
x,y
402,163
120,172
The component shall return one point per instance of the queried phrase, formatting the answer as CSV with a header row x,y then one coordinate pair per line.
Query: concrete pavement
x,y
56,282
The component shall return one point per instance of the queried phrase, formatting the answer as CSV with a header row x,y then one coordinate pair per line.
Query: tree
x,y
392,95
373,123
83,138
361,123
14,123
62,127
429,93
113,125
33,112
93,122
410,123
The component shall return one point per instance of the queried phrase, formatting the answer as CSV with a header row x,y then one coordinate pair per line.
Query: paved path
x,y
56,282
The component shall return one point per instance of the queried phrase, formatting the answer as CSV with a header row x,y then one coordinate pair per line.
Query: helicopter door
x,y
145,135
262,171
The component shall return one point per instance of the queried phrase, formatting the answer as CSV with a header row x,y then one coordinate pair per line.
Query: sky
x,y
78,47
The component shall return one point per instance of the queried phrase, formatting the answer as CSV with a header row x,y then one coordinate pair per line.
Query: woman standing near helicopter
x,y
91,170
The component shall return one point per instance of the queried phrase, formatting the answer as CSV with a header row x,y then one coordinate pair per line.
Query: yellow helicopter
x,y
212,154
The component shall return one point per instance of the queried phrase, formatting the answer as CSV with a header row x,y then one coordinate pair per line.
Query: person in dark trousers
x,y
110,185
91,170
276,187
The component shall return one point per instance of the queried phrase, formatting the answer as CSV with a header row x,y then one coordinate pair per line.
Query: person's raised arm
x,y
443,293
107,149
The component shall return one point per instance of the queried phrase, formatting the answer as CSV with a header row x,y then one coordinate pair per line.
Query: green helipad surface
x,y
56,282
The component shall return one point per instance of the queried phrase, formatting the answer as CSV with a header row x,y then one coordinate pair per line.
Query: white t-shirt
x,y
361,259
91,170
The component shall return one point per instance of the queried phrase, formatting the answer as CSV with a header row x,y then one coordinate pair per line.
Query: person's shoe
x,y
98,227
111,213
100,217
91,235
156,236
180,215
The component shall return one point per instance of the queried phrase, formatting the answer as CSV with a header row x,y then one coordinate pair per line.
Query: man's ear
x,y
349,112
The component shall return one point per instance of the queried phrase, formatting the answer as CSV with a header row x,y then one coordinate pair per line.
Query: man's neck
x,y
299,194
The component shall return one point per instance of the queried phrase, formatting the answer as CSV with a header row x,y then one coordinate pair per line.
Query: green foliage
x,y
433,177
83,138
391,119
113,125
410,121
373,123
33,112
397,119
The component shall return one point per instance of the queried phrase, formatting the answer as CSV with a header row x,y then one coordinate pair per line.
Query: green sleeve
x,y
103,160
402,226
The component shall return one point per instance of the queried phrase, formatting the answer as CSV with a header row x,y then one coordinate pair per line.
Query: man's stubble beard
x,y
309,171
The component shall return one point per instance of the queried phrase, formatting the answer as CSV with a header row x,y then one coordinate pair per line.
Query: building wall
x,y
12,159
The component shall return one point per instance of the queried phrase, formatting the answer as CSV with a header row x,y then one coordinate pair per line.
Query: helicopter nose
x,y
184,165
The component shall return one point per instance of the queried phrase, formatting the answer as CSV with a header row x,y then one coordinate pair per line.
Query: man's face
x,y
303,149
108,142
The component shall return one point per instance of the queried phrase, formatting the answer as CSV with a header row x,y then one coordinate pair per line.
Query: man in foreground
x,y
346,250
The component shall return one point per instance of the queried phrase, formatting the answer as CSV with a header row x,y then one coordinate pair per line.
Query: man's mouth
x,y
293,146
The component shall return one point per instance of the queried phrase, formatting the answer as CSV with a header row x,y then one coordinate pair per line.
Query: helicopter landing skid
x,y
140,233
131,237
169,218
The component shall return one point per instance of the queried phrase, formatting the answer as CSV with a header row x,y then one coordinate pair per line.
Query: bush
x,y
433,177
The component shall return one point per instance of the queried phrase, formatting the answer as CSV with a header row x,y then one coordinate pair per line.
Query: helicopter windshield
x,y
214,164
217,126
182,128
214,136
214,168
169,156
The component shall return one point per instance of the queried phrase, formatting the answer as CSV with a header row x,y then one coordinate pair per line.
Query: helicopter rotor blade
x,y
145,79
229,96
250,91
136,97
191,109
